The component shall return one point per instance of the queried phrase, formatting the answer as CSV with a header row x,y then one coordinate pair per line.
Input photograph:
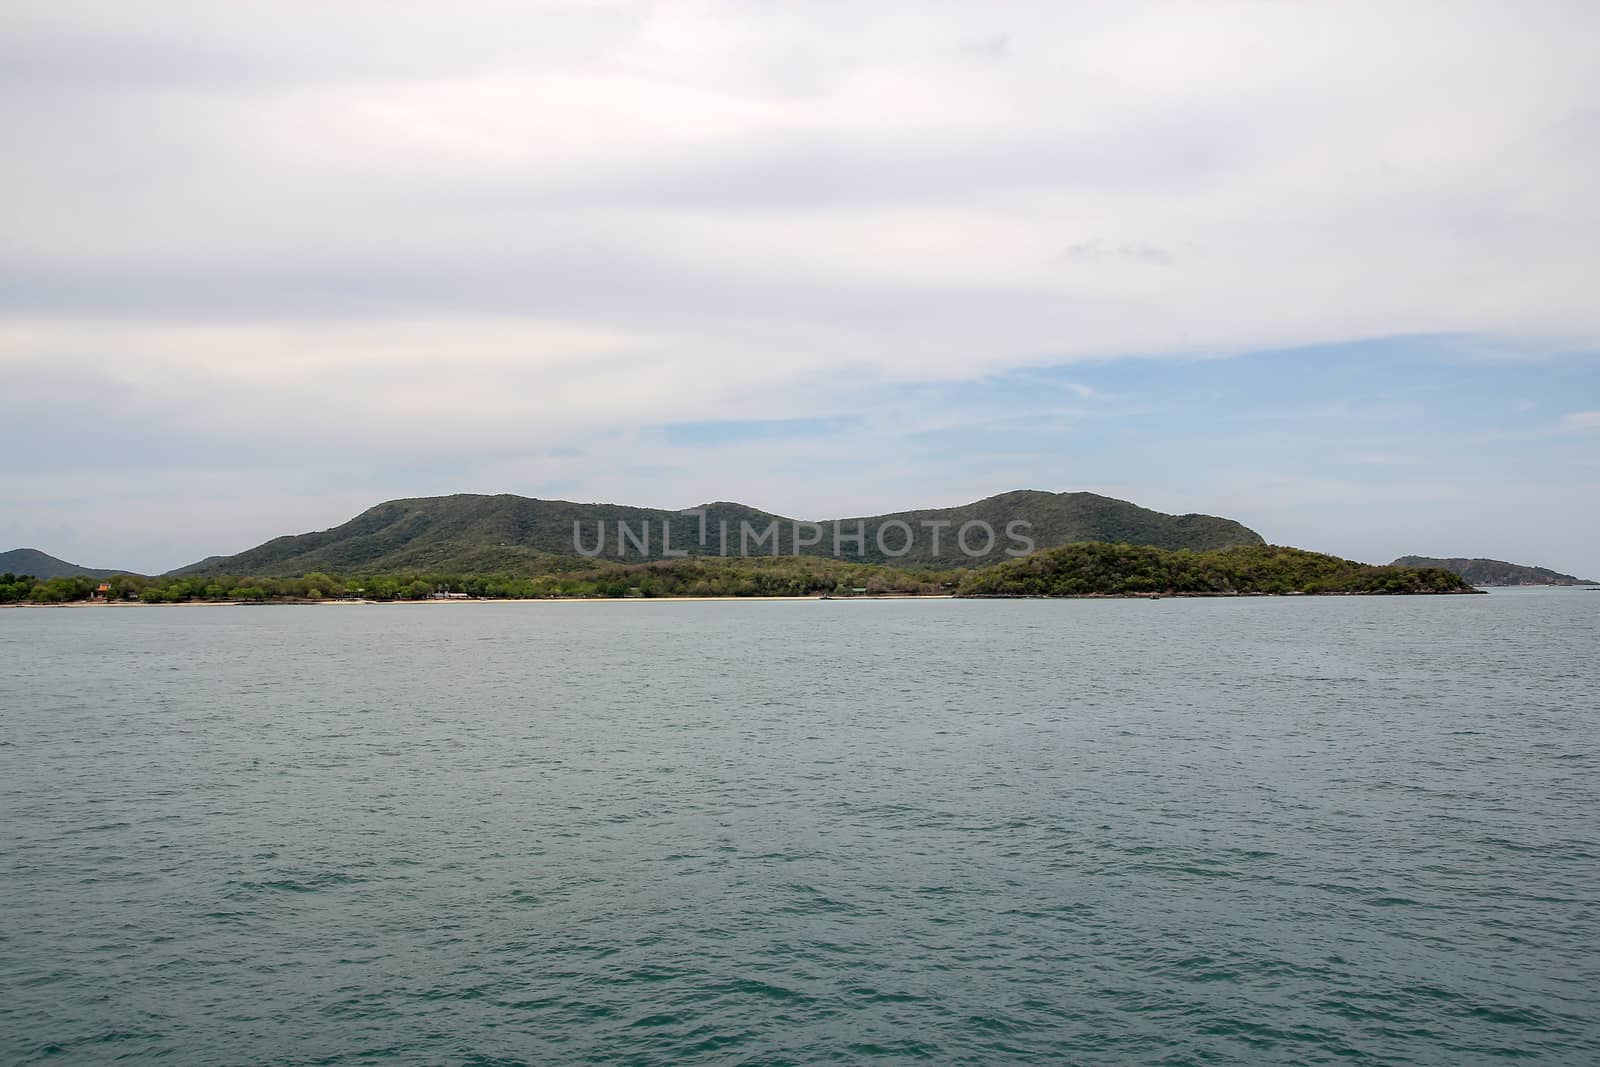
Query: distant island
x,y
38,564
1494,572
1020,544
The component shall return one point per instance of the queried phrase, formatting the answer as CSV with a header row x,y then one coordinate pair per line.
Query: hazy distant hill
x,y
511,533
1494,571
42,565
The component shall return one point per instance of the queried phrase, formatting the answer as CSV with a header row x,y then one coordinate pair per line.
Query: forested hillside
x,y
514,534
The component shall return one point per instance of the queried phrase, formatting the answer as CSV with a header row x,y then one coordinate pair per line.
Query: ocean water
x,y
1355,830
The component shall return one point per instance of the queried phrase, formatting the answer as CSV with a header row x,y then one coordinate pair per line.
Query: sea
x,y
1287,830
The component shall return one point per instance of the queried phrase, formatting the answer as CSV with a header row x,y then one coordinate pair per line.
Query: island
x,y
1024,543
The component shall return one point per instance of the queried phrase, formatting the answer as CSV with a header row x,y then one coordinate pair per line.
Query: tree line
x,y
1087,569
699,576
1133,570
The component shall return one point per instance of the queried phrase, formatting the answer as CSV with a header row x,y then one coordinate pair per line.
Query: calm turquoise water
x,y
1184,831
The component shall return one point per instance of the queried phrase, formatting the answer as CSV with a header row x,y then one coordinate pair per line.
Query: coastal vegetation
x,y
1129,570
1087,569
701,577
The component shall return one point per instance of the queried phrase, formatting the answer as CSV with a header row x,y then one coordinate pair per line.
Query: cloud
x,y
673,161
1581,420
1099,251
993,48
440,244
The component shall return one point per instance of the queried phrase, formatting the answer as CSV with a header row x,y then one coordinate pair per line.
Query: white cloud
x,y
477,231
1322,173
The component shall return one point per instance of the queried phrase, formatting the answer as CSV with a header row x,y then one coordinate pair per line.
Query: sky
x,y
1332,269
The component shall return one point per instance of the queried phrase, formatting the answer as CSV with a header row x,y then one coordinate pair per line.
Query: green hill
x,y
1494,571
31,561
512,534
1121,570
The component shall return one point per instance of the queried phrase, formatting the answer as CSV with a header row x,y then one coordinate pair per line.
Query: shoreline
x,y
330,601
327,601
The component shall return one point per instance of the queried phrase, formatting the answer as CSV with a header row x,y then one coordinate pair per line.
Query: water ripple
x,y
1257,831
